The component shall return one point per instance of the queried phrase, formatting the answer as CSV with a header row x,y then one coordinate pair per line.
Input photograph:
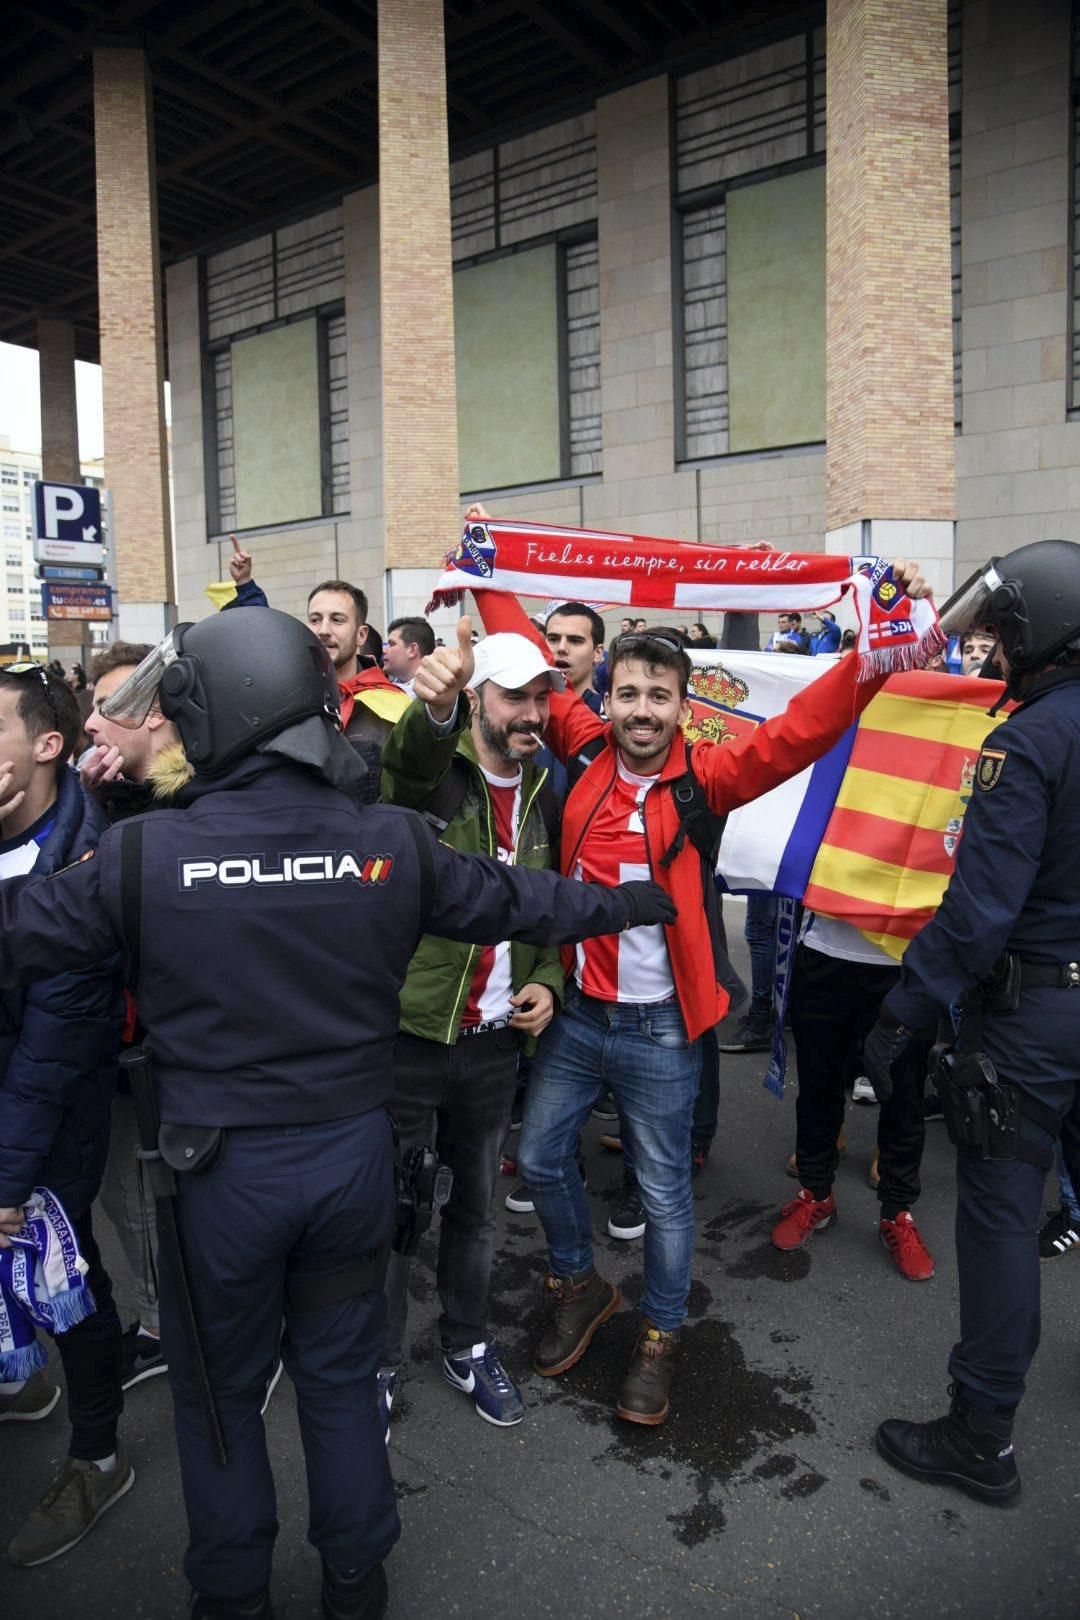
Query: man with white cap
x,y
468,1010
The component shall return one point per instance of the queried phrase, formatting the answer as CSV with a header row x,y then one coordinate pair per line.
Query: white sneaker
x,y
863,1092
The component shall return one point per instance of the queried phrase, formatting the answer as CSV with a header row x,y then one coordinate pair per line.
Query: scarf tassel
x,y
21,1363
899,660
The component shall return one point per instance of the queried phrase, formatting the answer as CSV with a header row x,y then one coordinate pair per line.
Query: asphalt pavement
x,y
762,1497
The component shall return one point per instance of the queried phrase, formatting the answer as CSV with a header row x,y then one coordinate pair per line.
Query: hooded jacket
x,y
415,762
59,1040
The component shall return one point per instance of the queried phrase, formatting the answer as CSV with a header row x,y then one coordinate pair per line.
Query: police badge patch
x,y
989,769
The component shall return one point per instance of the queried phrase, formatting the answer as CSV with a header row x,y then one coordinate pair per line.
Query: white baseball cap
x,y
513,661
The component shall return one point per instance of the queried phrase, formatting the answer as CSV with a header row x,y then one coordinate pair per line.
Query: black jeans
x,y
90,1353
463,1094
834,1005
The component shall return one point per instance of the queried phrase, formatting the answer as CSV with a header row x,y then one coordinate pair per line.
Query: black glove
x,y
647,903
881,1048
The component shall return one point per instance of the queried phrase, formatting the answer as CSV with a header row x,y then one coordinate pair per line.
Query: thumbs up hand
x,y
445,673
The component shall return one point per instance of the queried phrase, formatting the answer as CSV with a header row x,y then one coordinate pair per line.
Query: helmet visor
x,y
131,703
970,605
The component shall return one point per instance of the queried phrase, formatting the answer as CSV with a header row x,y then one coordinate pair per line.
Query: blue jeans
x,y
643,1054
760,932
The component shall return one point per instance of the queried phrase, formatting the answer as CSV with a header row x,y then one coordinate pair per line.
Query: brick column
x,y
421,505
889,404
60,451
59,414
132,343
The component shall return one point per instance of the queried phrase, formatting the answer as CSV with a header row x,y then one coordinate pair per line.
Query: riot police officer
x,y
244,914
1003,956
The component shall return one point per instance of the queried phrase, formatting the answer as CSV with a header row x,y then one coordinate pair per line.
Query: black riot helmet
x,y
1031,598
230,683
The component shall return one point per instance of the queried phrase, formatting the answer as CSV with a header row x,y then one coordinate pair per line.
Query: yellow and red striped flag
x,y
890,844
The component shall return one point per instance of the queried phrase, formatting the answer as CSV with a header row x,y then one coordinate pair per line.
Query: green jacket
x,y
415,761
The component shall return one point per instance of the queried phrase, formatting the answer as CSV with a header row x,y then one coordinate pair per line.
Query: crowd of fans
x,y
489,769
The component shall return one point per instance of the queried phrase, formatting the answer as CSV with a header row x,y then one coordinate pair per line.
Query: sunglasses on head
x,y
38,670
644,638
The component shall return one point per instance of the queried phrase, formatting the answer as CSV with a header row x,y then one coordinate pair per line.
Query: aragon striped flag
x,y
889,847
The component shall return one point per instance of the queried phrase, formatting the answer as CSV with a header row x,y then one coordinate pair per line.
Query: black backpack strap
x,y
696,821
421,837
578,764
444,803
131,866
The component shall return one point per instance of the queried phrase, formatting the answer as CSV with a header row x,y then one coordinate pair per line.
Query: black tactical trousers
x,y
834,1005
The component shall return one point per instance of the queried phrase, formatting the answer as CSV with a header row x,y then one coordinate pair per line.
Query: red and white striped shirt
x,y
633,966
492,986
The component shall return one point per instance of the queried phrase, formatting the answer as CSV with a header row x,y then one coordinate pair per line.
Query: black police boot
x,y
354,1594
255,1607
968,1448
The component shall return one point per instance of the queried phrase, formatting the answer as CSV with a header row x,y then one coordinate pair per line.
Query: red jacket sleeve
x,y
814,720
571,723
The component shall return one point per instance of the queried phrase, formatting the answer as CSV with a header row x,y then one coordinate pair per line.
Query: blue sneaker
x,y
387,1384
481,1374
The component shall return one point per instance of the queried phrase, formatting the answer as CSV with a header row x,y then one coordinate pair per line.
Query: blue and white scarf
x,y
42,1284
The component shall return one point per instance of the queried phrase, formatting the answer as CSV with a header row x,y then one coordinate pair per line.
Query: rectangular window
x,y
527,341
9,475
750,137
276,426
11,503
270,468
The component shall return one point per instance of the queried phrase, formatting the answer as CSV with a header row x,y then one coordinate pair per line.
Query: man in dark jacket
x,y
272,1042
58,1044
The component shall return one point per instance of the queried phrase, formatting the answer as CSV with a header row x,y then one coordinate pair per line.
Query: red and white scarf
x,y
623,570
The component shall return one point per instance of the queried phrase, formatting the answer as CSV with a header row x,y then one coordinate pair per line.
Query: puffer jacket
x,y
415,761
59,1040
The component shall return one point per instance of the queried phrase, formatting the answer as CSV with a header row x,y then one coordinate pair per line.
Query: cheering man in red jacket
x,y
637,1004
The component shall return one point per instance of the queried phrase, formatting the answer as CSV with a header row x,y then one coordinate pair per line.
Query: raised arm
x,y
813,722
480,900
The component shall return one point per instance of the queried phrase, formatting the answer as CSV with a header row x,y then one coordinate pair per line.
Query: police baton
x,y
138,1066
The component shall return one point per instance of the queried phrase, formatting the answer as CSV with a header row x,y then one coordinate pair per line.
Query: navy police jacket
x,y
277,922
1016,885
59,1039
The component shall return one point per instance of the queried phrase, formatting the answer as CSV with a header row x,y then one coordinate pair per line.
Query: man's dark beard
x,y
660,742
497,738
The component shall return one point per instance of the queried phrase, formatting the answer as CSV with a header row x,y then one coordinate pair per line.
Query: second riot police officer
x,y
268,922
1001,962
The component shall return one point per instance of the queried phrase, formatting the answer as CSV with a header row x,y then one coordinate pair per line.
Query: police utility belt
x,y
982,1113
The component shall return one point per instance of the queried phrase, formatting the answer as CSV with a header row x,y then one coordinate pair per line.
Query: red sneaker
x,y
901,1238
800,1219
508,1166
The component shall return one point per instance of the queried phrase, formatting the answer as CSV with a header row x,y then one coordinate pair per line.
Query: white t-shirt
x,y
840,939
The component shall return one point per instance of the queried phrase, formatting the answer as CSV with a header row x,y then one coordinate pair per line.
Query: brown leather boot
x,y
578,1306
644,1395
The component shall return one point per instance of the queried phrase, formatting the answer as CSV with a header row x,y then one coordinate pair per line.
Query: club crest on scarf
x,y
475,552
716,706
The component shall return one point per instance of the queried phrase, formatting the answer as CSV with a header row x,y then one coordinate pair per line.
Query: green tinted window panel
x,y
776,311
276,435
507,348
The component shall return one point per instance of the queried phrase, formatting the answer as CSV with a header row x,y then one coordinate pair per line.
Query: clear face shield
x,y
969,607
131,703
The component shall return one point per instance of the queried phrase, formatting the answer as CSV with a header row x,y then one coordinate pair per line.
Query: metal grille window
x,y
583,358
533,186
751,112
226,470
337,372
747,119
704,313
